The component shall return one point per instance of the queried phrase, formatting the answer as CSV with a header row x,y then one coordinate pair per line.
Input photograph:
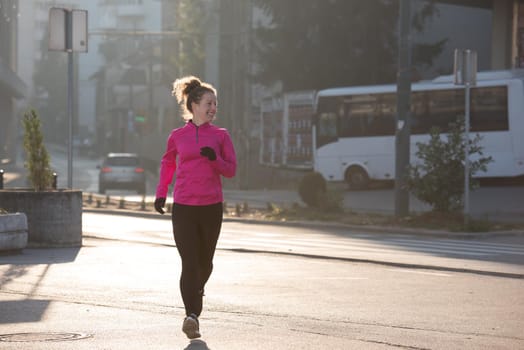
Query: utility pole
x,y
402,139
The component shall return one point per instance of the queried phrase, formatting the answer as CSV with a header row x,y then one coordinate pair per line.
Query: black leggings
x,y
196,230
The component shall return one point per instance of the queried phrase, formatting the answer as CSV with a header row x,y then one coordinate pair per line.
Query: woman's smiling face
x,y
205,110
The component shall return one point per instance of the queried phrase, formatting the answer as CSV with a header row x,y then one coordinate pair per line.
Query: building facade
x,y
12,87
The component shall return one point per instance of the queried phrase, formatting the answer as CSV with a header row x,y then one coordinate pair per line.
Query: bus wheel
x,y
357,178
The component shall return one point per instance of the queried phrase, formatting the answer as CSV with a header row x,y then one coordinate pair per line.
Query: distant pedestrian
x,y
199,153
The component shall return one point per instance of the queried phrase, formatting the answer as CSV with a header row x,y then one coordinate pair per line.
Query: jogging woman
x,y
199,153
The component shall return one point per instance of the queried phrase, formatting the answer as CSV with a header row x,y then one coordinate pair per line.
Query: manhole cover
x,y
42,337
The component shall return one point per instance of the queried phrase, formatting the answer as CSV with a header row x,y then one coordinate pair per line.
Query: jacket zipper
x,y
197,133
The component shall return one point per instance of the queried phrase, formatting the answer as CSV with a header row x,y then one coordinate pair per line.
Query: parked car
x,y
122,171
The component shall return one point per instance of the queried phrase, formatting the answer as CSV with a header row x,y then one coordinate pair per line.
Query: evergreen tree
x,y
191,19
38,162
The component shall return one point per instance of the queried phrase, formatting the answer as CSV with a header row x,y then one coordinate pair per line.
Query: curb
x,y
389,263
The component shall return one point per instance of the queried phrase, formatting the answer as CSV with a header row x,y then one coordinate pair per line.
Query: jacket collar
x,y
205,125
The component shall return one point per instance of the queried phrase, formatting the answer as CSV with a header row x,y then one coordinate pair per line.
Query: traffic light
x,y
139,123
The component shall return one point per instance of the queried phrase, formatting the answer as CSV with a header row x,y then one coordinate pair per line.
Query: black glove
x,y
159,205
208,152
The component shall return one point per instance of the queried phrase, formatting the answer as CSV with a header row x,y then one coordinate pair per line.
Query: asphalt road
x,y
273,287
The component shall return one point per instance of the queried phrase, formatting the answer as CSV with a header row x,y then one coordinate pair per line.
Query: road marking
x,y
454,245
287,244
459,245
391,244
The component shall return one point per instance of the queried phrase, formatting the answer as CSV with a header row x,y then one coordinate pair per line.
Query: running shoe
x,y
191,327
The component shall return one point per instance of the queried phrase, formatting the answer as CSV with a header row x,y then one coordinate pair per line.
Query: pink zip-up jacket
x,y
197,178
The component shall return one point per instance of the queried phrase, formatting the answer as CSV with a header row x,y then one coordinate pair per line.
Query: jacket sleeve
x,y
167,168
226,162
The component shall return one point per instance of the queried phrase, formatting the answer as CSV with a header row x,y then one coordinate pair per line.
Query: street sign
x,y
465,67
79,33
59,31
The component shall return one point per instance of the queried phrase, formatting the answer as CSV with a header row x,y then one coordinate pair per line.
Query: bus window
x,y
387,114
367,115
326,120
327,128
420,122
445,106
439,108
489,108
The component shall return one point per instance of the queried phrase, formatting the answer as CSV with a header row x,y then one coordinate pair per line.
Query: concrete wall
x,y
13,232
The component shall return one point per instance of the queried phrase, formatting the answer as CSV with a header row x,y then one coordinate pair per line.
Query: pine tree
x,y
37,157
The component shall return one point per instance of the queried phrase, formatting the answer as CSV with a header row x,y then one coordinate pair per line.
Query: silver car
x,y
122,171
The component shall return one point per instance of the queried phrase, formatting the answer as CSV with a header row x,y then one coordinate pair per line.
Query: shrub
x,y
311,188
38,161
332,201
439,179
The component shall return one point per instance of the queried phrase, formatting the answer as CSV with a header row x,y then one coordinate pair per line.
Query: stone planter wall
x,y
13,232
54,217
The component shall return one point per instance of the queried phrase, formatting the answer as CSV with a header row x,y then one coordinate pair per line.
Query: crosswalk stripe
x,y
232,244
465,244
349,246
437,246
462,246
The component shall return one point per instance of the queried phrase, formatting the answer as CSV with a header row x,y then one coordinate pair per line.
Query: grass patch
x,y
450,222
453,222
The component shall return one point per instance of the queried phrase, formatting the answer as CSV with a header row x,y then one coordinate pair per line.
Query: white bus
x,y
354,127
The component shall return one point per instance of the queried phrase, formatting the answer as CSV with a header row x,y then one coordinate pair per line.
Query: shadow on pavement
x,y
37,256
29,310
197,344
19,311
21,264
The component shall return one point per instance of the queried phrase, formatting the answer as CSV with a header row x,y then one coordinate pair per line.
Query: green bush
x,y
38,162
312,188
332,201
439,179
